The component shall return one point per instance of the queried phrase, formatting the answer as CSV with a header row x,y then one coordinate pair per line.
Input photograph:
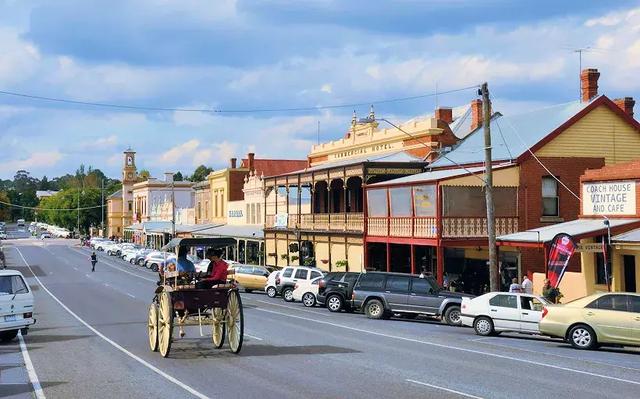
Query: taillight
x,y
353,296
295,287
178,305
28,315
321,284
277,280
464,306
544,312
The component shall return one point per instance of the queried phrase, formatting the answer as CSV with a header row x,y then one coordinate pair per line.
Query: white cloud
x,y
326,88
34,162
19,59
177,153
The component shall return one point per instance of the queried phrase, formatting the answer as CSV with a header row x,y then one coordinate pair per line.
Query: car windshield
x,y
10,285
434,283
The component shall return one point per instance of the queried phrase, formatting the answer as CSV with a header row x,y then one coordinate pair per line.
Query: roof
x,y
219,242
45,193
511,136
239,231
275,167
117,194
435,175
162,226
577,228
397,156
632,236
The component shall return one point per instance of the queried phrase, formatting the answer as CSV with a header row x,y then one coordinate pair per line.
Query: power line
x,y
35,208
228,111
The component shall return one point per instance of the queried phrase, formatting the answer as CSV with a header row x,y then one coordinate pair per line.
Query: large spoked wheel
x,y
234,322
165,324
152,326
217,326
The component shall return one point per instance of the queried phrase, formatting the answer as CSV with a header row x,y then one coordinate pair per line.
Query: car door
x,y
286,276
300,274
634,309
422,297
530,313
609,315
504,309
397,292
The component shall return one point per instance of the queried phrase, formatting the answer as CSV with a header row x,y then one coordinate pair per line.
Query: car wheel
x,y
582,337
271,292
248,291
334,303
452,316
154,267
6,336
309,300
287,294
483,326
374,309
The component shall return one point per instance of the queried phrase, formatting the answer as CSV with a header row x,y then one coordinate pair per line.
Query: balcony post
x,y
413,260
440,262
388,257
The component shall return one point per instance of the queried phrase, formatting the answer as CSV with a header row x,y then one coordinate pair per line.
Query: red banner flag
x,y
562,247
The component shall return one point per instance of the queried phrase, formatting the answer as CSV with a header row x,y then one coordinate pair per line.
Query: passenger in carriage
x,y
183,264
217,271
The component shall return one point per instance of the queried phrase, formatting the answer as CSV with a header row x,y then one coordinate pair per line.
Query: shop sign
x,y
590,247
610,198
236,213
281,220
393,171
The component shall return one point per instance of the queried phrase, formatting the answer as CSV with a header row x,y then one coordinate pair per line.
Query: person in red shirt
x,y
216,272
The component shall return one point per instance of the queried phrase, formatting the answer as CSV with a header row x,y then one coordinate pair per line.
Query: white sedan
x,y
495,312
306,291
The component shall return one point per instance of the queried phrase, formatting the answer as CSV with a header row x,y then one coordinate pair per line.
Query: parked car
x,y
3,235
595,320
100,245
335,290
250,277
45,235
93,241
382,294
306,291
128,255
16,305
290,275
154,260
271,286
495,312
141,255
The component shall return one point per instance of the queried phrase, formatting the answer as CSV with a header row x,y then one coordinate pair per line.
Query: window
x,y
287,272
610,302
550,203
245,270
315,274
531,303
247,215
400,201
420,286
600,269
372,281
130,206
10,285
350,278
424,200
398,284
302,274
377,202
258,214
504,301
634,303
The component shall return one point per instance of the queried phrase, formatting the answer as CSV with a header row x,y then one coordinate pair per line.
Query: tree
x,y
178,176
60,209
200,174
5,210
144,175
44,183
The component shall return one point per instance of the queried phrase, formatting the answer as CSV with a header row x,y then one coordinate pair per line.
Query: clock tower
x,y
129,178
129,173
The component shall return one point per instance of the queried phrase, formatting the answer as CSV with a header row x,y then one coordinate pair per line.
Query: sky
x,y
259,54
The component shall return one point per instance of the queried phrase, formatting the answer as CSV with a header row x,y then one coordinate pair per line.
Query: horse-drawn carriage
x,y
177,302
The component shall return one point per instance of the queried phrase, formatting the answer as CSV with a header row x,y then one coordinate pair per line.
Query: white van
x,y
16,305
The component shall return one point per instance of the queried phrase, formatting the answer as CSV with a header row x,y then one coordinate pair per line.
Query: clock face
x,y
129,160
129,175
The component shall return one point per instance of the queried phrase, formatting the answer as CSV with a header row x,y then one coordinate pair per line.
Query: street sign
x,y
590,247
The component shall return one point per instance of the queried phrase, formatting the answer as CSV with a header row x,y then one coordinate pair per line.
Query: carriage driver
x,y
216,272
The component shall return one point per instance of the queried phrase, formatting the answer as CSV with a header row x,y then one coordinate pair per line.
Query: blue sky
x,y
235,54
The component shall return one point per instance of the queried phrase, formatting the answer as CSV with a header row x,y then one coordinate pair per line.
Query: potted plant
x,y
342,263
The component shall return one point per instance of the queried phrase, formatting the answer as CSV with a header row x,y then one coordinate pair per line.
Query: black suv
x,y
335,289
382,294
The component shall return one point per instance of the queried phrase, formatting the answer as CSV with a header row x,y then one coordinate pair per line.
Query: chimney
x,y
252,163
168,177
626,104
476,114
233,163
444,114
589,84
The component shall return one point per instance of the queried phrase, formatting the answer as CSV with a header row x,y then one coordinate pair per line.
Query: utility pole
x,y
173,209
102,207
491,220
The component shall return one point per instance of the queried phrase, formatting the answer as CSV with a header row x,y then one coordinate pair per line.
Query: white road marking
x,y
113,343
443,389
453,347
33,377
253,336
120,269
130,295
293,308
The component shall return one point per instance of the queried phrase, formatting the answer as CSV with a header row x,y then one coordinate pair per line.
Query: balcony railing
x,y
352,222
427,227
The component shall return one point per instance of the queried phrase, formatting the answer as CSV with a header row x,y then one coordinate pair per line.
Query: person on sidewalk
x,y
515,287
527,285
94,260
3,261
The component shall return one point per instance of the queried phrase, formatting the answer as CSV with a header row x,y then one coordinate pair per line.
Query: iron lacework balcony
x,y
427,227
349,222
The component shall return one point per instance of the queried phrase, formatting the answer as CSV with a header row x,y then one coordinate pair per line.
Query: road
x,y
90,340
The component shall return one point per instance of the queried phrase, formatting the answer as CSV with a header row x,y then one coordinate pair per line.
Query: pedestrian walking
x,y
549,293
527,285
2,259
515,287
94,260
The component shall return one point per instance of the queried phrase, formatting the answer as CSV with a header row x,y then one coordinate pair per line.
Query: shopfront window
x,y
253,252
400,201
601,272
377,202
424,200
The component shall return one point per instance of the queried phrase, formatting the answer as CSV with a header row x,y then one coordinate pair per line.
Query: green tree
x,y
200,174
60,209
143,175
178,176
5,210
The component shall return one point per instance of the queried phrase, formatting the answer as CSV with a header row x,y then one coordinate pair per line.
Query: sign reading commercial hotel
x,y
611,198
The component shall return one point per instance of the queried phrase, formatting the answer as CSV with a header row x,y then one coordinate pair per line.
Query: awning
x,y
630,237
579,229
240,231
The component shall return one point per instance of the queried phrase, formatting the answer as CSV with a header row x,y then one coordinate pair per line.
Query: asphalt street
x,y
90,340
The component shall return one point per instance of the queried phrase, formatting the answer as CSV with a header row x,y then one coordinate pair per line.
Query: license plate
x,y
11,317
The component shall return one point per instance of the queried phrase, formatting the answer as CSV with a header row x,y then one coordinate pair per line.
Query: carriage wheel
x,y
234,322
165,323
217,327
152,326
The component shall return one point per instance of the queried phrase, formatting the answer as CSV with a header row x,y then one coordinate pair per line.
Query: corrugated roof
x,y
226,230
275,167
511,136
574,228
117,194
632,236
436,175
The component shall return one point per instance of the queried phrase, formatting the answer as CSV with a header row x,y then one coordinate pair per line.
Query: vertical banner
x,y
605,255
562,247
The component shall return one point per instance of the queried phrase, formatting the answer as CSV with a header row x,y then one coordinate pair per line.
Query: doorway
x,y
629,264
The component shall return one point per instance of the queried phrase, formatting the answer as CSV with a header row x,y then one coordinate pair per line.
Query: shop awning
x,y
579,229
630,237
240,231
